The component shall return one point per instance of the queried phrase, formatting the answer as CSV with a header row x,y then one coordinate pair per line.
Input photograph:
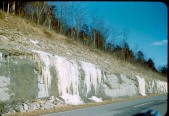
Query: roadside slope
x,y
41,69
19,34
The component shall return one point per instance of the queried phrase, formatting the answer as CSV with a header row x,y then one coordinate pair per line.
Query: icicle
x,y
166,87
45,67
141,85
151,85
43,91
68,76
92,76
161,86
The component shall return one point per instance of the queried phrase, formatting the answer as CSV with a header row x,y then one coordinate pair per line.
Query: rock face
x,y
17,78
42,75
119,86
5,81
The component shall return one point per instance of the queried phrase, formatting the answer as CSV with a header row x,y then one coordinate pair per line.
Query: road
x,y
127,108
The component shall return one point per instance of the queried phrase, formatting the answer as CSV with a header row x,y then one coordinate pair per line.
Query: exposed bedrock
x,y
42,75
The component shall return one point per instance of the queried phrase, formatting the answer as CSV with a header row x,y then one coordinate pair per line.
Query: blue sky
x,y
147,23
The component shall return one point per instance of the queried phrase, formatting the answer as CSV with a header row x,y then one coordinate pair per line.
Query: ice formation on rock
x,y
161,86
157,86
141,82
43,91
45,78
92,76
0,58
68,80
68,77
152,86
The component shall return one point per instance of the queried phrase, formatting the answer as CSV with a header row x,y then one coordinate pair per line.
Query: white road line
x,y
142,104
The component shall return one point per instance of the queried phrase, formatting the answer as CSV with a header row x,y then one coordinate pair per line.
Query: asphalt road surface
x,y
127,108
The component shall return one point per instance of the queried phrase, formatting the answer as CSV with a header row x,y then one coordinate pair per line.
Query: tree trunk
x,y
3,6
13,8
94,39
38,14
49,24
78,27
72,32
8,9
32,13
61,18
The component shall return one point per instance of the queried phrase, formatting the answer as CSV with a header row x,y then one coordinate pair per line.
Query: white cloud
x,y
160,43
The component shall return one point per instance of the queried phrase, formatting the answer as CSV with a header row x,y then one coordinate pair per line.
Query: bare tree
x,y
71,17
125,47
94,31
94,27
8,8
63,16
105,31
49,17
13,8
98,24
40,8
3,5
80,17
32,10
114,35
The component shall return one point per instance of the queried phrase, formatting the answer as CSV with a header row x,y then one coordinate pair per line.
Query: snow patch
x,y
72,99
95,99
34,42
141,85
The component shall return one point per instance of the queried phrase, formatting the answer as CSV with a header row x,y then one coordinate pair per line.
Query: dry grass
x,y
74,107
22,24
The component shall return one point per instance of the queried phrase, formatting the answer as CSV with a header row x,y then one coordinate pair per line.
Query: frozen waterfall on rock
x,y
44,78
161,87
92,76
79,79
141,85
68,80
68,77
